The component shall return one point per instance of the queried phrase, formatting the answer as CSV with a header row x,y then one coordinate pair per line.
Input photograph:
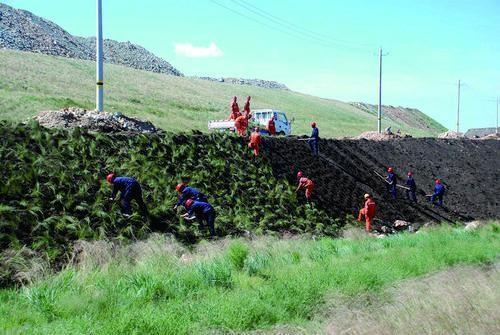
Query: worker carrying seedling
x,y
305,184
314,139
235,109
439,190
411,193
392,181
255,139
186,192
271,126
202,211
368,211
129,189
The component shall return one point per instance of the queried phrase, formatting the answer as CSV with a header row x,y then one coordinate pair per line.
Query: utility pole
x,y
458,108
379,114
498,100
99,60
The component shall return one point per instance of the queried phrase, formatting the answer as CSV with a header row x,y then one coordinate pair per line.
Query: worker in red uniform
x,y
368,211
255,139
271,126
241,124
235,109
305,184
246,107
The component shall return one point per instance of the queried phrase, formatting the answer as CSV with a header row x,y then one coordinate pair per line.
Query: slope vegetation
x,y
33,82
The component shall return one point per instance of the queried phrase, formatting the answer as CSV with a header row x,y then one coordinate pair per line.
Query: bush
x,y
237,253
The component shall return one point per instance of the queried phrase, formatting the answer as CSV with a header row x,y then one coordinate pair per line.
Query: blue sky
x,y
324,48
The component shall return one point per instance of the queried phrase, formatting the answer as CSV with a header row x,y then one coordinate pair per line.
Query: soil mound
x,y
93,120
376,136
451,134
345,171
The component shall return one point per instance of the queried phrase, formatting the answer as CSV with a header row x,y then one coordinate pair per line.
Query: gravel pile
x,y
93,120
376,136
451,134
251,82
21,30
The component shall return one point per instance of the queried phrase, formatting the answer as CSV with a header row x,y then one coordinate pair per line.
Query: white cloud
x,y
189,50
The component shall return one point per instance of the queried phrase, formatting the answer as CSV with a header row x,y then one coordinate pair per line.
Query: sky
x,y
326,48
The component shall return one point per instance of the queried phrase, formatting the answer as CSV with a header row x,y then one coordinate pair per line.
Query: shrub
x,y
237,253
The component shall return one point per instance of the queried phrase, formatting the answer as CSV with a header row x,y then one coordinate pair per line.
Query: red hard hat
x,y
110,177
299,174
390,170
188,203
410,174
180,187
438,181
313,124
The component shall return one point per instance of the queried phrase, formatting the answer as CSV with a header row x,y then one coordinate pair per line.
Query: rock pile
x,y
376,136
93,120
251,82
21,30
451,134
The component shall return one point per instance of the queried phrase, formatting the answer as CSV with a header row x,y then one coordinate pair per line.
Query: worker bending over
x,y
255,139
392,181
241,124
314,139
235,109
202,211
129,190
438,194
186,192
411,194
305,184
368,211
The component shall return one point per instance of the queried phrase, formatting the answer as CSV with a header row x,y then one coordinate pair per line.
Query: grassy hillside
x,y
160,287
33,82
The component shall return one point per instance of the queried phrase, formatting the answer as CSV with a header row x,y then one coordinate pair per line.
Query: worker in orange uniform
x,y
368,211
235,109
241,124
271,127
255,139
305,184
246,107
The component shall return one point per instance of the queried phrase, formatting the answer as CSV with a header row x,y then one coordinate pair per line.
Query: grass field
x,y
31,82
159,287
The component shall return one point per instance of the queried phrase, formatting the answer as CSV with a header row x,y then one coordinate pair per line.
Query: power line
x,y
299,29
282,28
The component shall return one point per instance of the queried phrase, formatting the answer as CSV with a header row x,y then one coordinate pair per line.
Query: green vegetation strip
x,y
152,289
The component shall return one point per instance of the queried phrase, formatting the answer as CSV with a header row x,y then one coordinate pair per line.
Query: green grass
x,y
30,83
158,287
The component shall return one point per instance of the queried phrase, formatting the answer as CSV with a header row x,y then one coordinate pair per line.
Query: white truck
x,y
260,117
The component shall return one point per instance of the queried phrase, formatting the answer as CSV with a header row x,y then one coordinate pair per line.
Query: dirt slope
x,y
344,172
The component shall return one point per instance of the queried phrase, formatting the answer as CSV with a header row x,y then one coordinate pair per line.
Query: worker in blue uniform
x,y
129,189
391,181
202,211
438,192
314,139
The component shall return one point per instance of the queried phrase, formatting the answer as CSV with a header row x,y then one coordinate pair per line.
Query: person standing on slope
x,y
392,181
305,184
314,139
186,192
129,189
202,211
235,109
438,194
411,194
255,139
368,211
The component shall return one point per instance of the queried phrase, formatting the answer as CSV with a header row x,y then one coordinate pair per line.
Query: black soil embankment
x,y
470,169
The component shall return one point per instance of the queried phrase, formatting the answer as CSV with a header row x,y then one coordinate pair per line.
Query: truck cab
x,y
261,117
